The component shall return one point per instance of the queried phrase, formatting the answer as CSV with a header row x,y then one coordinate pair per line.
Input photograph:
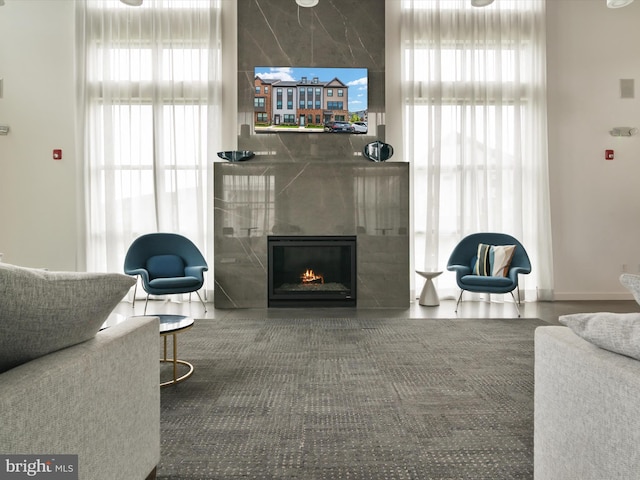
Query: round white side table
x,y
429,296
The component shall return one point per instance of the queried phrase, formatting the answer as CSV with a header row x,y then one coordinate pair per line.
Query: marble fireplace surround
x,y
253,200
277,33
310,184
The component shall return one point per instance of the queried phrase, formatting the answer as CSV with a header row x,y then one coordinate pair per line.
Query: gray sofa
x,y
99,399
587,408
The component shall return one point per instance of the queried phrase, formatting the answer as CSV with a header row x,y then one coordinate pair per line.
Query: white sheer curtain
x,y
149,86
474,86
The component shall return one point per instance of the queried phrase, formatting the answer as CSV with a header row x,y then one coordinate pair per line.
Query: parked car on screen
x,y
360,127
334,126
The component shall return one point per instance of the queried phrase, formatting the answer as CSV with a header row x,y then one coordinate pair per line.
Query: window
x,y
474,90
259,102
329,92
289,118
258,90
147,113
289,98
335,106
340,92
262,117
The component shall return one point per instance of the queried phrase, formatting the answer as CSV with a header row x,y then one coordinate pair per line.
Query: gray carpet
x,y
352,399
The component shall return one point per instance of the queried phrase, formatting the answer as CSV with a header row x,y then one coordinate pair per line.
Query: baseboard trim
x,y
571,296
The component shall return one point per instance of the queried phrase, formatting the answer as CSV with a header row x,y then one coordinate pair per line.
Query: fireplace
x,y
312,271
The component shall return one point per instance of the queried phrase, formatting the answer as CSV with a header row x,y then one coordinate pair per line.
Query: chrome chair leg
x,y
203,304
145,304
459,300
515,303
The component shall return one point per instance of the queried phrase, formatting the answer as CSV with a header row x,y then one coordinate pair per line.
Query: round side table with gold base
x,y
171,325
429,296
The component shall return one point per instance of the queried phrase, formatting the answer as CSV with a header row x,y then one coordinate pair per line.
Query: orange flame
x,y
309,276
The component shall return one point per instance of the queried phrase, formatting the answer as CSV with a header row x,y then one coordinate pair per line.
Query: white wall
x,y
595,203
38,198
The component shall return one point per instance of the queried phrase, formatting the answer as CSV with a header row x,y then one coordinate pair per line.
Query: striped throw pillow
x,y
494,260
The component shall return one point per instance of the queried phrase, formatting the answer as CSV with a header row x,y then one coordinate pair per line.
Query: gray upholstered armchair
x,y
463,260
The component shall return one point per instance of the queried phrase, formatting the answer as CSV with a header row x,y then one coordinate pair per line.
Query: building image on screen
x,y
310,100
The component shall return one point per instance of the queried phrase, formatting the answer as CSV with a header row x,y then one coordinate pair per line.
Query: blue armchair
x,y
463,259
167,263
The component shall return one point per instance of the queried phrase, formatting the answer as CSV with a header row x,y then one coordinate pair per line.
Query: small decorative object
x,y
623,131
236,155
618,3
378,151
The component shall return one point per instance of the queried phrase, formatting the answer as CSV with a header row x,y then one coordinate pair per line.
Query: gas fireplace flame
x,y
309,276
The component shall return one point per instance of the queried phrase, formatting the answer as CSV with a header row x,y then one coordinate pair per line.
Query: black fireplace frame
x,y
312,299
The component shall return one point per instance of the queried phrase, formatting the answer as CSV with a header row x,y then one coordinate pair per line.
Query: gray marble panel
x,y
260,198
278,33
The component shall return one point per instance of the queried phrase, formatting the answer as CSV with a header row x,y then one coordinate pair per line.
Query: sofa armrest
x,y
586,422
99,399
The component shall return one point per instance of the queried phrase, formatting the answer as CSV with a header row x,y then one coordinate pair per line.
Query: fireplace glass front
x,y
312,271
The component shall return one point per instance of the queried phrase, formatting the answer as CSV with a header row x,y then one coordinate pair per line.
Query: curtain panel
x,y
474,123
149,97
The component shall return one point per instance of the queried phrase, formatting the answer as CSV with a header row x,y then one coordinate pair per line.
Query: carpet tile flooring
x,y
352,398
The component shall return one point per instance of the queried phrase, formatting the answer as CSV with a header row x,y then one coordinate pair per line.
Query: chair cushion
x,y
175,283
165,266
486,281
493,260
41,311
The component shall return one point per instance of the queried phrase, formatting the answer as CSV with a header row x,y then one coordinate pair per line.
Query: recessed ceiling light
x,y
618,3
132,3
481,3
307,3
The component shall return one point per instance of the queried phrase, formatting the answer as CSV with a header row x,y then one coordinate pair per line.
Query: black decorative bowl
x,y
236,155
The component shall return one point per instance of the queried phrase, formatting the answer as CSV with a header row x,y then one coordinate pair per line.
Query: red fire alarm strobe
x,y
57,154
608,154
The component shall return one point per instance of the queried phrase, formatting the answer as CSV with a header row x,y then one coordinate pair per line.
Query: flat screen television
x,y
310,100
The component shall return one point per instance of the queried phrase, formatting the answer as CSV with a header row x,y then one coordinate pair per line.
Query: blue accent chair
x,y
167,263
463,259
